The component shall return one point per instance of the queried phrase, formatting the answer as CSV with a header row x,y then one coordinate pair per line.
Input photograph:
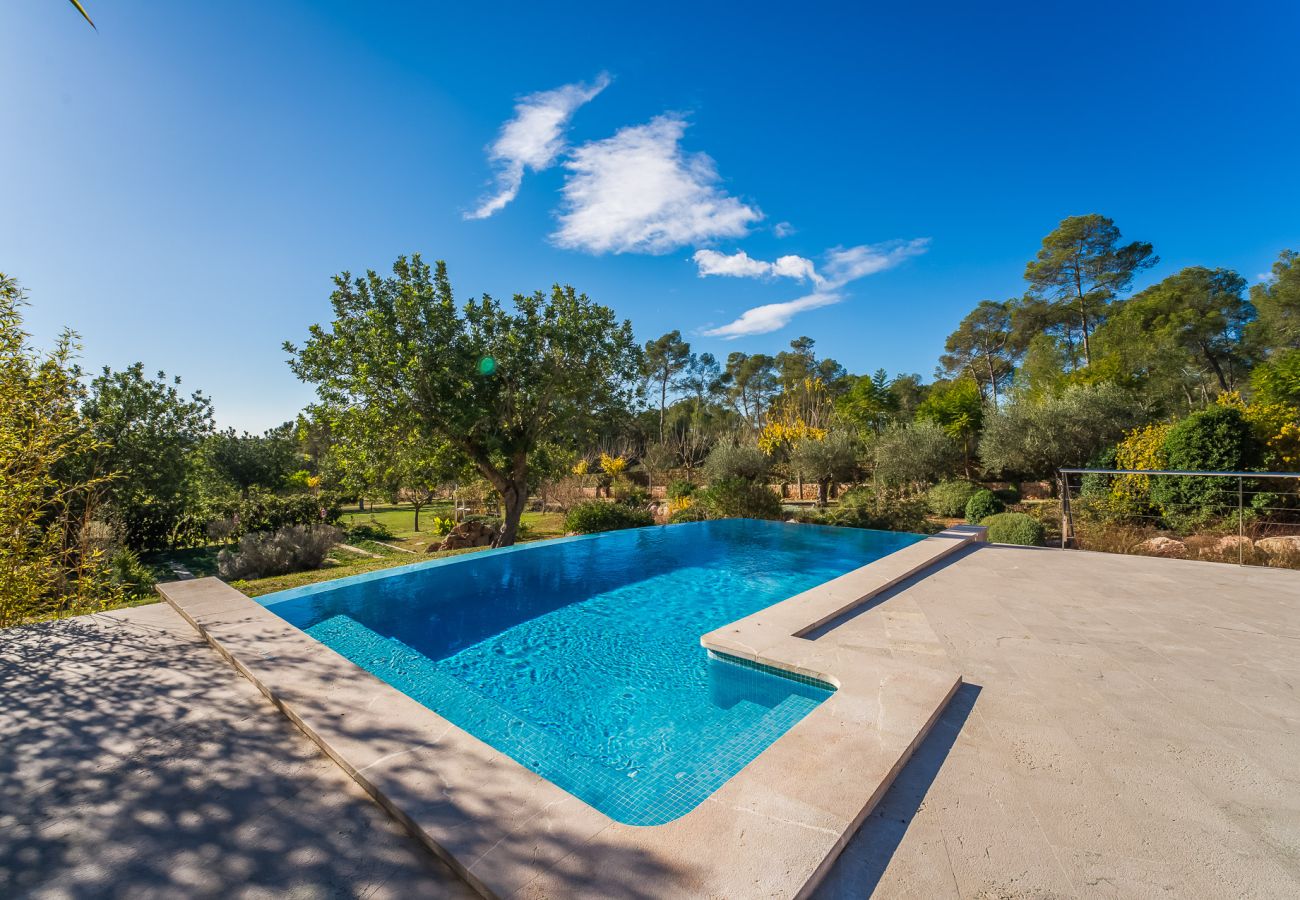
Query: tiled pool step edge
x,y
772,830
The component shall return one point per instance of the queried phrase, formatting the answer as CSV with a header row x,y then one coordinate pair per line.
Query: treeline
x,y
420,394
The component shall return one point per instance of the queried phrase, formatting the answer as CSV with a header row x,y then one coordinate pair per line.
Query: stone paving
x,y
1129,728
136,763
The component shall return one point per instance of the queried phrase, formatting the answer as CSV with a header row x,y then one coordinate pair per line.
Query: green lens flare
x,y
487,365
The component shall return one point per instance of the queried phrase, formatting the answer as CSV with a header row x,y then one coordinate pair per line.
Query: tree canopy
x,y
491,382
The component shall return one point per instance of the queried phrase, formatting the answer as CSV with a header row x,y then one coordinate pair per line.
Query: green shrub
x,y
1008,495
632,495
589,518
374,530
262,512
1015,528
865,507
1214,439
692,513
983,504
133,576
949,498
738,498
680,488
728,461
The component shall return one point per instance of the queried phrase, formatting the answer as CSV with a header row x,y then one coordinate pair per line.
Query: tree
x,y
957,408
1198,316
491,382
831,459
248,460
915,453
1278,303
751,384
46,568
983,347
666,358
657,459
1032,438
149,435
1082,267
867,405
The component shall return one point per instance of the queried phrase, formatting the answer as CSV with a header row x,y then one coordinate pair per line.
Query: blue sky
x,y
180,185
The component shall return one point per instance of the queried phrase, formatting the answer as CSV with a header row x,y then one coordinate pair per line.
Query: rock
x,y
467,534
1231,543
1281,544
1163,546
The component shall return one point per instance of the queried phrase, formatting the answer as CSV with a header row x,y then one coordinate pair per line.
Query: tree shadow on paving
x,y
861,866
137,763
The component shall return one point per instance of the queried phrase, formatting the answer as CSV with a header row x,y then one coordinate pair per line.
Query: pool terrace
x,y
1123,726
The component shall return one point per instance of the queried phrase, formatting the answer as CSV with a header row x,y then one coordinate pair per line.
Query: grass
x,y
400,520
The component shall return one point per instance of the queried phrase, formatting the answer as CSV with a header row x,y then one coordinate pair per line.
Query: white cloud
x,y
843,265
638,191
783,229
770,317
741,265
532,139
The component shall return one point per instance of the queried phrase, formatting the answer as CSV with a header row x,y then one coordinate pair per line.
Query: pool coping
x,y
773,829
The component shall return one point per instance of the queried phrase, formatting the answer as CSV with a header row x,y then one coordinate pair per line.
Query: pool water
x,y
580,658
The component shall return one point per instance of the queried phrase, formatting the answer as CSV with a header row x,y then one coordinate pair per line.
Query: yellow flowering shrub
x,y
612,466
581,467
1277,425
1141,448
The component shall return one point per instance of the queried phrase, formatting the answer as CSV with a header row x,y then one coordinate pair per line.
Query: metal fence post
x,y
1241,525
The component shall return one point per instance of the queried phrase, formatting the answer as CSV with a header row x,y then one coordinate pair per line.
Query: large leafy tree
x,y
491,382
1278,303
957,407
666,359
1081,268
149,436
868,405
983,347
251,460
1193,323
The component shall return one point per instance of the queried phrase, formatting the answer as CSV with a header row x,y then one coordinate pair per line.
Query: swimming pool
x,y
580,658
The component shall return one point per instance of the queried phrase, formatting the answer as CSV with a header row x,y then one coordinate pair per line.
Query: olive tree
x,y
1034,437
491,382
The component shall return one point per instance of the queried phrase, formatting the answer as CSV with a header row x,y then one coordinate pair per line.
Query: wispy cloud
x,y
741,265
771,316
783,229
532,139
639,192
843,265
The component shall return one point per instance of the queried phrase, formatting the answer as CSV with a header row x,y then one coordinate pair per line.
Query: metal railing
x,y
1262,503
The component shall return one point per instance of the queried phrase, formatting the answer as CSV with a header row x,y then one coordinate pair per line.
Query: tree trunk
x,y
1083,326
823,487
417,506
663,403
513,499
